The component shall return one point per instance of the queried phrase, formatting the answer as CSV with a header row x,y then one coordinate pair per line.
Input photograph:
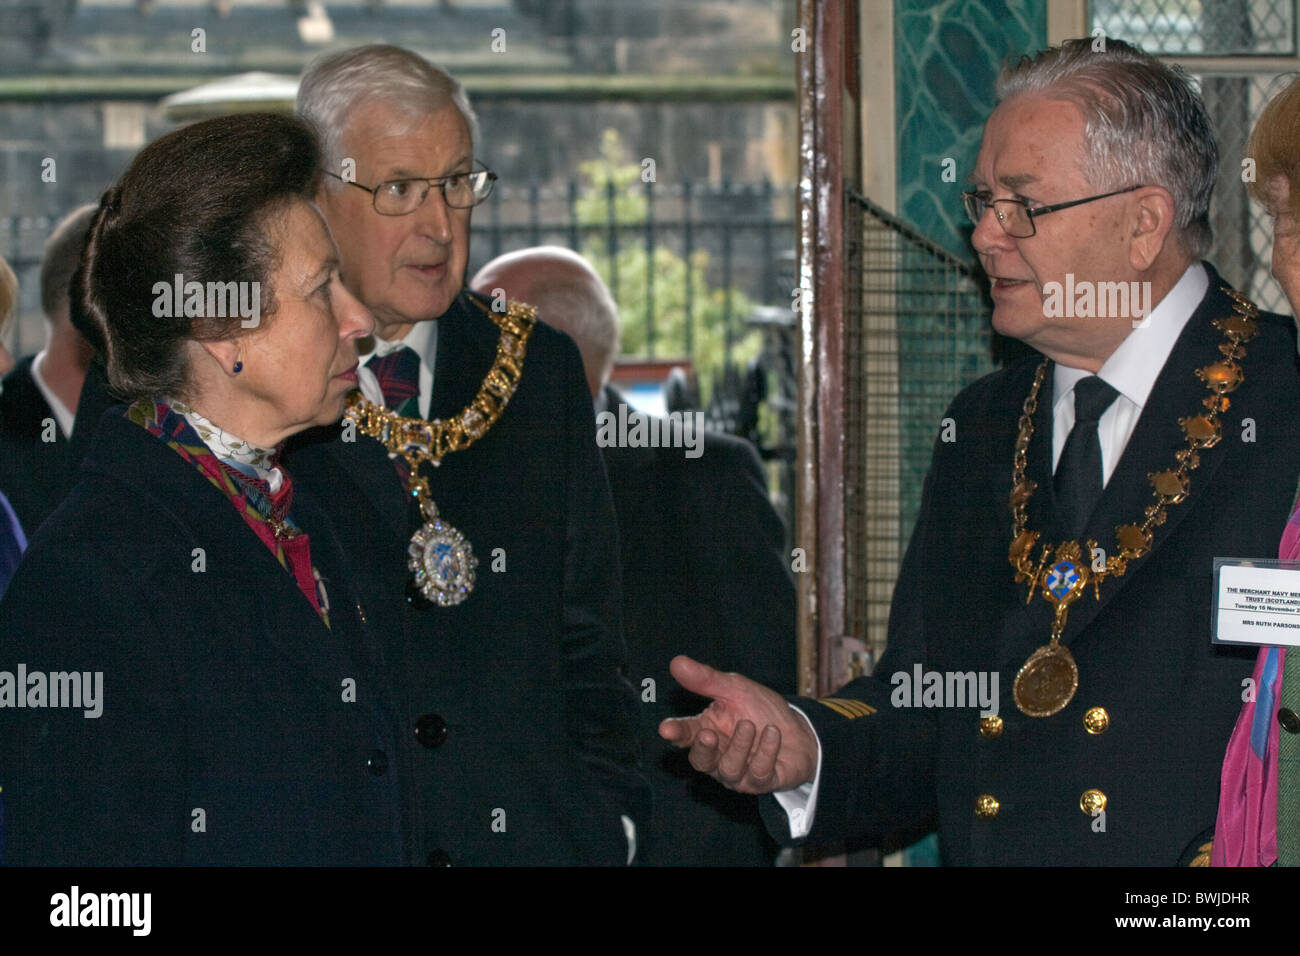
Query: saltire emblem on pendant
x,y
442,562
1062,579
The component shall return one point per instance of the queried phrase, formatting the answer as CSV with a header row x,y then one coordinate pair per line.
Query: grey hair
x,y
579,304
61,256
568,294
1146,123
336,84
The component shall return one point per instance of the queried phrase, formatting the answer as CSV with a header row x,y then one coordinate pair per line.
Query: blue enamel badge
x,y
1063,579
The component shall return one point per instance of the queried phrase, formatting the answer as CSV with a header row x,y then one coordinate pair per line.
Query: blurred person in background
x,y
12,540
38,399
704,570
202,682
8,311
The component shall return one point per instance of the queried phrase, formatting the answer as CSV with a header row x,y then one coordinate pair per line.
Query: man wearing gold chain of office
x,y
466,484
1067,536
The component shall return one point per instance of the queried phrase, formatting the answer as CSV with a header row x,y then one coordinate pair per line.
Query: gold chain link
x,y
418,441
1171,487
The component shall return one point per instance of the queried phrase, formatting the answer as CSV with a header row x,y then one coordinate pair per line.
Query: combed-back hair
x,y
336,86
1146,123
203,202
60,257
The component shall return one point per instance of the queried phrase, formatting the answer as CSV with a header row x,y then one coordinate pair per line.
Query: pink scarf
x,y
1245,832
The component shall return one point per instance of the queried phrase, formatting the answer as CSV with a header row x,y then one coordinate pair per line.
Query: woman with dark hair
x,y
186,673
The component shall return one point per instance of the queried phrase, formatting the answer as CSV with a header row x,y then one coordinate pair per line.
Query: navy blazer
x,y
236,728
518,720
1144,652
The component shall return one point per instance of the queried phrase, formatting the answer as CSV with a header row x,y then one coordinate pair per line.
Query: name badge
x,y
1256,602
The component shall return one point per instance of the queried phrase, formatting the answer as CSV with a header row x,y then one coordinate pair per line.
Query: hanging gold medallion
x,y
1047,681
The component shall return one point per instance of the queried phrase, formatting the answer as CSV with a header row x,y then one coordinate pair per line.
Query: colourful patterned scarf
x,y
254,505
1245,832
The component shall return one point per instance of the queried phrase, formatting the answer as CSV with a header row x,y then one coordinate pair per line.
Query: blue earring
x,y
239,367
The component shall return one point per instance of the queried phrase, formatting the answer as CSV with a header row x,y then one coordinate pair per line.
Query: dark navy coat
x,y
235,728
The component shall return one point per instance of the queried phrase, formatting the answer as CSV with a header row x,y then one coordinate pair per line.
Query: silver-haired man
x,y
497,570
1050,693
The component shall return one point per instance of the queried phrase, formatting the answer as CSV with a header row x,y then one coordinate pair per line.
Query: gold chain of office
x,y
1049,678
416,440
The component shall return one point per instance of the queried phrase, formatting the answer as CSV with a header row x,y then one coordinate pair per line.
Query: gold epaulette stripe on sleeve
x,y
846,707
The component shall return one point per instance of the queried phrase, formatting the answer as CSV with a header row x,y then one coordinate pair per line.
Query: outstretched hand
x,y
725,739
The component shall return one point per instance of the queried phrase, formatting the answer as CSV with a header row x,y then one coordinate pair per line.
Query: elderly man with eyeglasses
x,y
466,483
1050,693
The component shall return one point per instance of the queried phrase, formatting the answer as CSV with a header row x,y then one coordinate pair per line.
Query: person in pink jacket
x,y
1259,803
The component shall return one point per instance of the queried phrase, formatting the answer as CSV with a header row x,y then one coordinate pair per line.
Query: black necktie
x,y
1078,474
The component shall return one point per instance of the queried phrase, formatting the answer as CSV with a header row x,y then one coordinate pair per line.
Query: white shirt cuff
x,y
629,831
800,804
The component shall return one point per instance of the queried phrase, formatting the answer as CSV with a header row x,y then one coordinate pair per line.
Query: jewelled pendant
x,y
441,560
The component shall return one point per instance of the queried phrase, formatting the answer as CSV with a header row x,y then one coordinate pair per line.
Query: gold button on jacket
x,y
1096,720
1092,802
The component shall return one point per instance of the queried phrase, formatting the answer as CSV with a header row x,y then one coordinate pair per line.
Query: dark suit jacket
x,y
223,692
1143,653
704,574
34,474
532,757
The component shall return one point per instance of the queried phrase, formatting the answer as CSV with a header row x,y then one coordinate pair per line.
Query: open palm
x,y
748,738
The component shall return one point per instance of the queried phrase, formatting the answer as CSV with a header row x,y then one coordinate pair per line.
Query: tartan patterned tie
x,y
398,373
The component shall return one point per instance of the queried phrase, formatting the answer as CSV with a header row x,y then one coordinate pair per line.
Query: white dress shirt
x,y
62,414
1132,370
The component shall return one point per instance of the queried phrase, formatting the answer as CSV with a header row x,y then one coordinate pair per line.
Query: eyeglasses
x,y
1015,216
400,197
